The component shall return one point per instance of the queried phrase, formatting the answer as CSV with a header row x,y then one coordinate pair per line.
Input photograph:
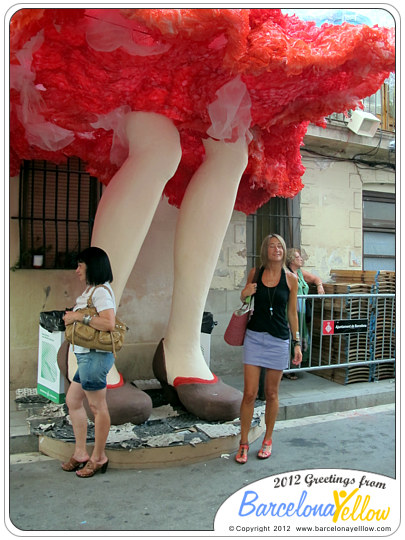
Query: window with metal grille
x,y
279,216
57,205
378,231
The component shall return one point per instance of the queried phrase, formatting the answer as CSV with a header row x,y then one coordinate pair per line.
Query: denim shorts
x,y
92,369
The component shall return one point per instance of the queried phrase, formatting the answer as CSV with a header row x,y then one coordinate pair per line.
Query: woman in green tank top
x,y
295,262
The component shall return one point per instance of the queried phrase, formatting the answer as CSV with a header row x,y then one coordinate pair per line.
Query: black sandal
x,y
291,376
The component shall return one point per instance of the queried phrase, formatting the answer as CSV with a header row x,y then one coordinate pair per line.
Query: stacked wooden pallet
x,y
353,276
345,348
383,371
346,375
385,282
384,326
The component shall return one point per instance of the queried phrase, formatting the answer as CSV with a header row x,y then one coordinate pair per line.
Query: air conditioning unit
x,y
363,123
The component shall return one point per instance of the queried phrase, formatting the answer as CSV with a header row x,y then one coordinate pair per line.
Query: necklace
x,y
271,298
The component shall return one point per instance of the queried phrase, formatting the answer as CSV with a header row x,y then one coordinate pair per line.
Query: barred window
x,y
57,205
278,216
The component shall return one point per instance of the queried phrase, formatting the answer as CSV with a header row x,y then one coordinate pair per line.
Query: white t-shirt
x,y
102,299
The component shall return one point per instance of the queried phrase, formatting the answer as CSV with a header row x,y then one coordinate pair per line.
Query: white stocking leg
x,y
130,200
204,216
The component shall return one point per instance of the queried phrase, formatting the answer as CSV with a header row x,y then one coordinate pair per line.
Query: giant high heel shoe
x,y
126,403
209,400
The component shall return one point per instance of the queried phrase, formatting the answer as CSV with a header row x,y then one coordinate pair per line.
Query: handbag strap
x,y
90,305
254,280
90,298
257,273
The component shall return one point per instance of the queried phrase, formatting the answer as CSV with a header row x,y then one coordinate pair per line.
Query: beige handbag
x,y
84,335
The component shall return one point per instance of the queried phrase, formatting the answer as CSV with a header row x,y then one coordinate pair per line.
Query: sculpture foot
x,y
126,402
209,400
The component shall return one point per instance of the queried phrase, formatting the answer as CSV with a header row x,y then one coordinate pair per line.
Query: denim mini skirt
x,y
92,369
264,350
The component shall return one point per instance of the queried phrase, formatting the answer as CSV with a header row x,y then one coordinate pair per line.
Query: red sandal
x,y
265,450
242,455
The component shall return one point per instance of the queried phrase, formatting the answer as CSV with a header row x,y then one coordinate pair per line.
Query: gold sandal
x,y
90,469
73,465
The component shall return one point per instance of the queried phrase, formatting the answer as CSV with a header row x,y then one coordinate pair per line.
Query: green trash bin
x,y
50,381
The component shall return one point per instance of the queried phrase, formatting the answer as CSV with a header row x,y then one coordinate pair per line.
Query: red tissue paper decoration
x,y
224,73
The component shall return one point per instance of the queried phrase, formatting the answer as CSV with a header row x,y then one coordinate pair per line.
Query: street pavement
x,y
183,501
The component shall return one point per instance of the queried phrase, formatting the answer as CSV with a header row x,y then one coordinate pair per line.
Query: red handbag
x,y
236,330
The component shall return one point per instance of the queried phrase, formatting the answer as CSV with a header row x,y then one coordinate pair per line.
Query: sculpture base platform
x,y
170,437
154,458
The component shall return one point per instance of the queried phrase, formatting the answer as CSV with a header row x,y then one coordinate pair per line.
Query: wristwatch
x,y
296,342
87,319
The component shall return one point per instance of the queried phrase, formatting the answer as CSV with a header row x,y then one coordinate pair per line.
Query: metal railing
x,y
352,333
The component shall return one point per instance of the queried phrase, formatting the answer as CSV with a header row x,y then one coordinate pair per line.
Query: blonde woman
x,y
267,341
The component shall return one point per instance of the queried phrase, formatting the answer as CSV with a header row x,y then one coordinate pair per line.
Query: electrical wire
x,y
362,163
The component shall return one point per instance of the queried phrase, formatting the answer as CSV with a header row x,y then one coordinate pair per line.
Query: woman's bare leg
x,y
78,417
272,384
251,385
98,405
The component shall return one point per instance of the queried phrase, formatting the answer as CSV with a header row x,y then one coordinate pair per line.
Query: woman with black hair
x,y
90,379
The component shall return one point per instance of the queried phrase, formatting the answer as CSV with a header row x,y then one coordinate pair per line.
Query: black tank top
x,y
275,297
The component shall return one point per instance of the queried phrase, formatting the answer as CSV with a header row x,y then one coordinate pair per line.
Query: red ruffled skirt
x,y
224,73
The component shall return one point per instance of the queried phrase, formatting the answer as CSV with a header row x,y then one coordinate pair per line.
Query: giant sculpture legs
x,y
204,216
130,200
123,219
